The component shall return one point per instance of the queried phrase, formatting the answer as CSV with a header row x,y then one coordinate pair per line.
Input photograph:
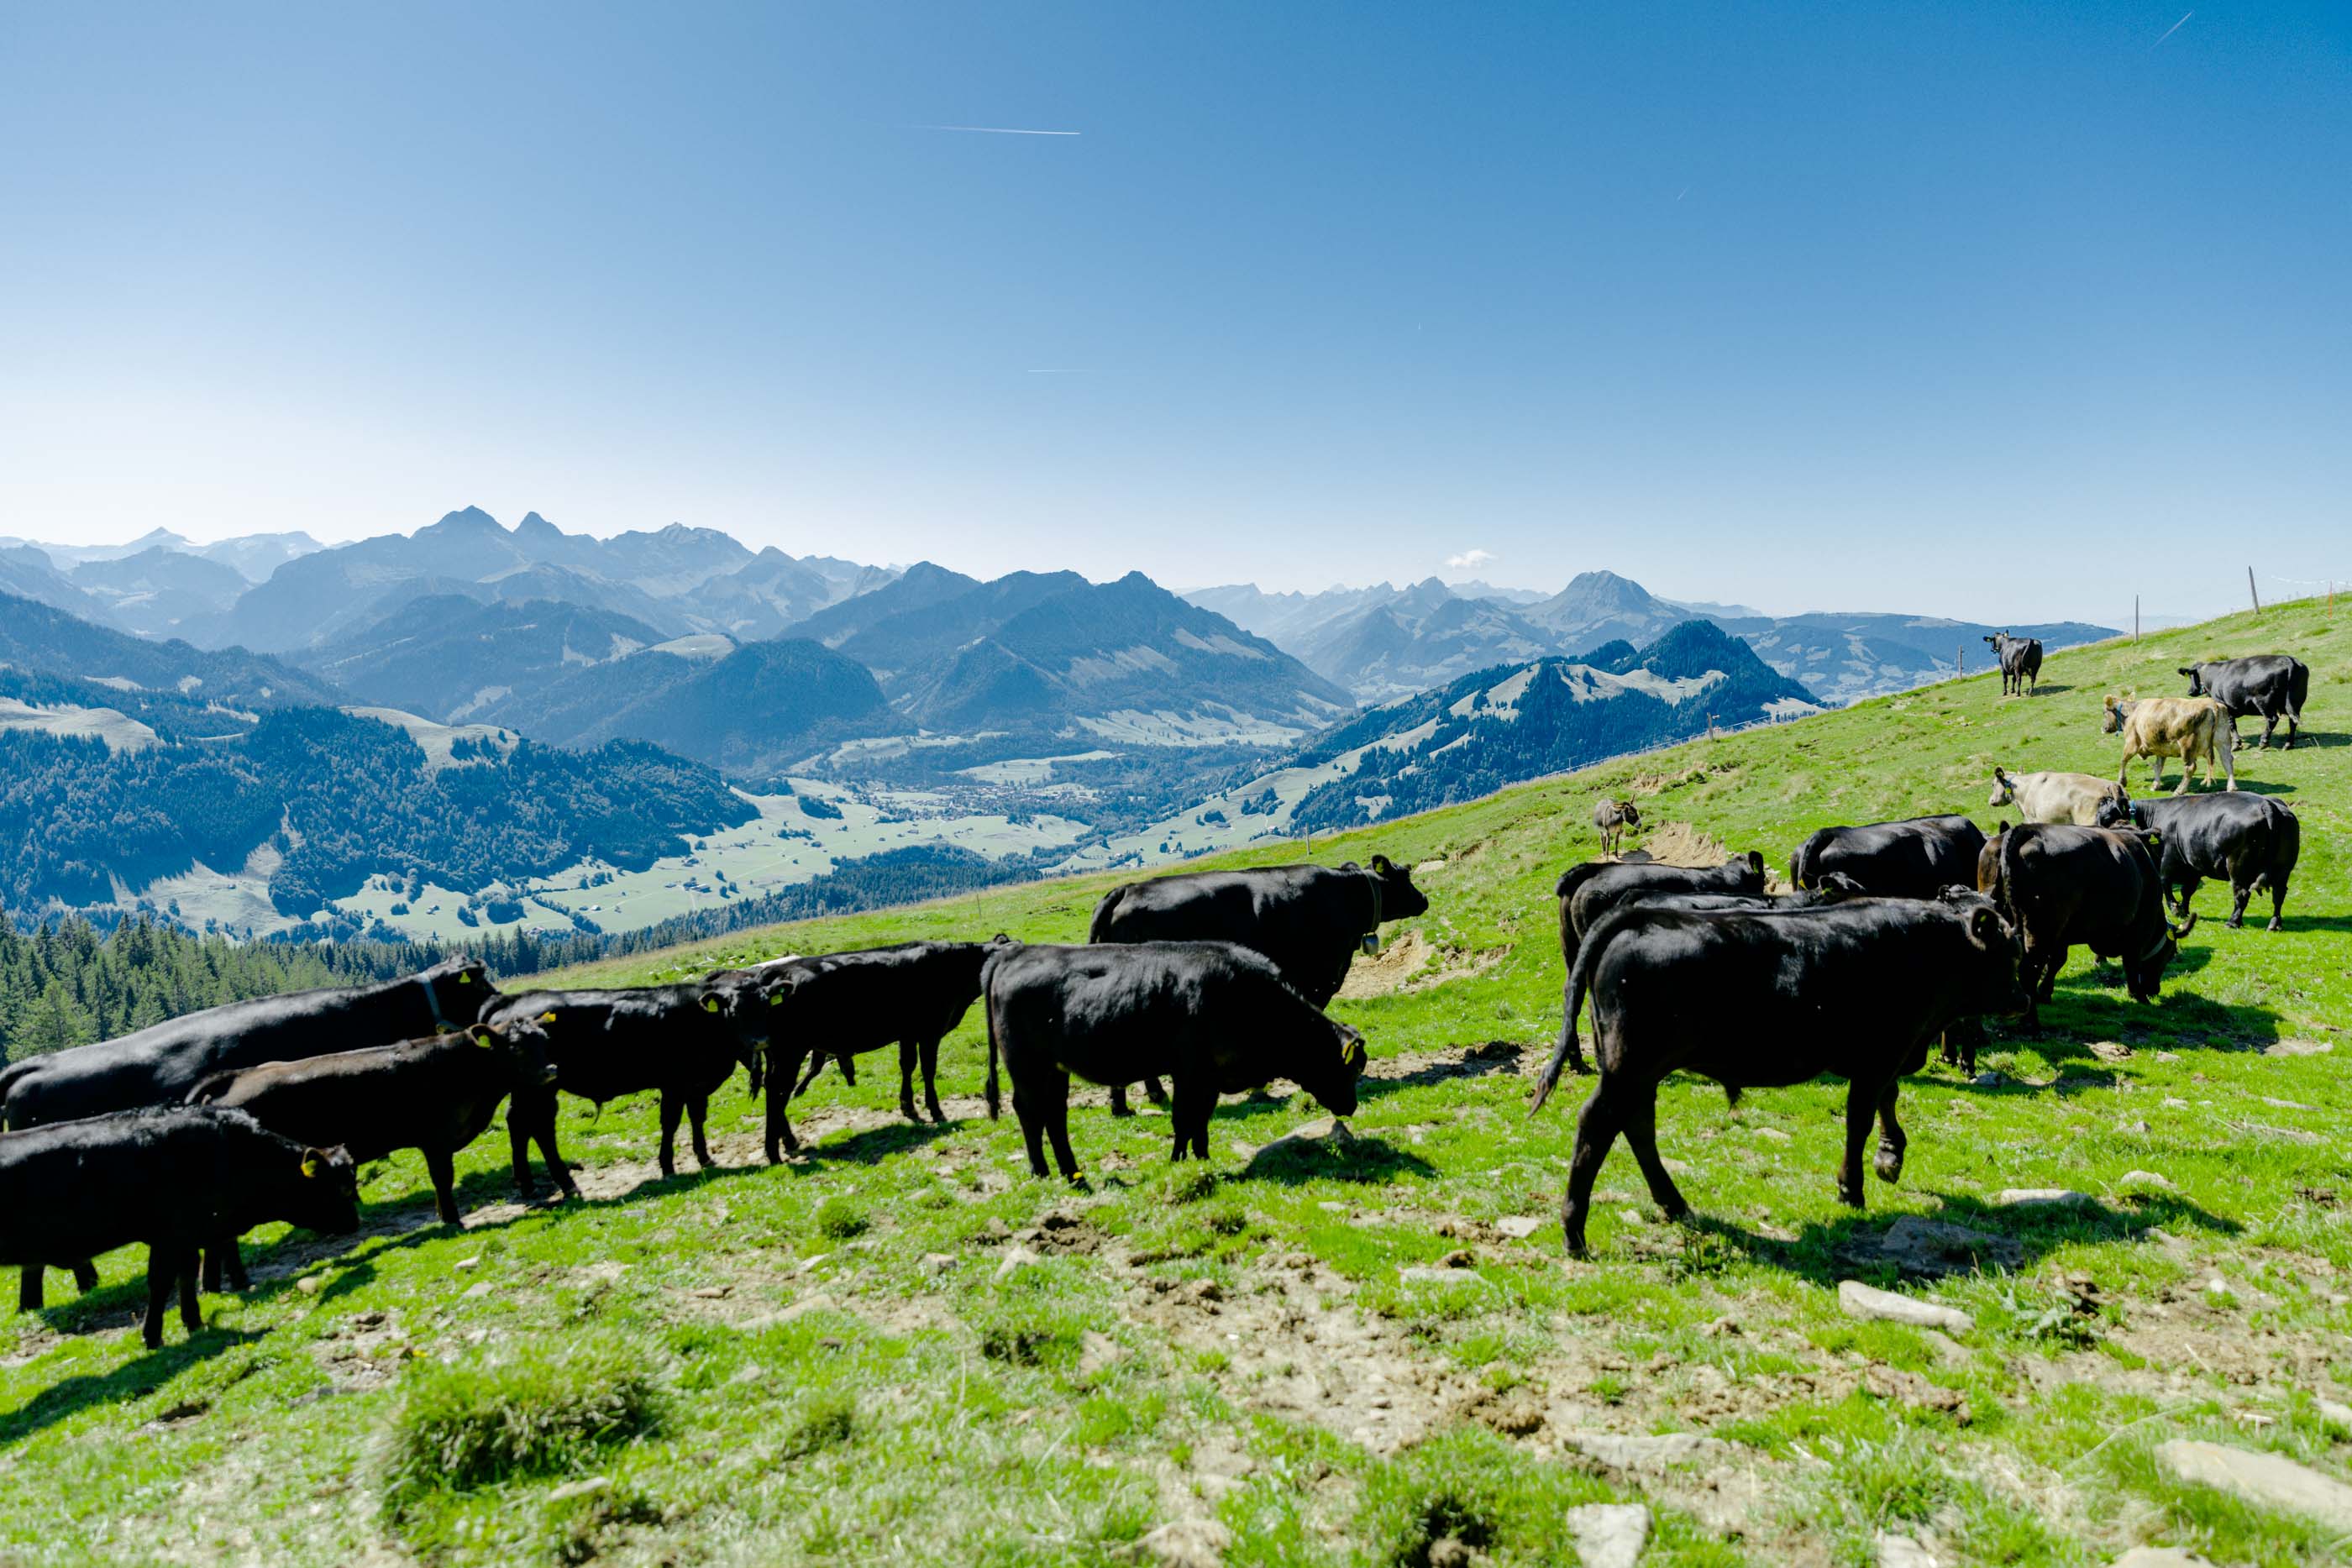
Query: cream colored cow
x,y
2054,796
2186,727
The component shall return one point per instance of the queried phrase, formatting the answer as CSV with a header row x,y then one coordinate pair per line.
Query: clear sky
x,y
2007,311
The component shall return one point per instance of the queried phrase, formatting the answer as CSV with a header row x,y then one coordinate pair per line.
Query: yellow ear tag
x,y
465,979
547,1017
776,1000
482,1040
311,1163
710,1004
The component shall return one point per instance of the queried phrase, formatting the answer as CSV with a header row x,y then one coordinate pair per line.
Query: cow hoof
x,y
2235,924
1889,1168
2274,926
1122,1109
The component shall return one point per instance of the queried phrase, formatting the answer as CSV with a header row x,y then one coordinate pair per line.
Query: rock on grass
x,y
1860,1301
2268,1480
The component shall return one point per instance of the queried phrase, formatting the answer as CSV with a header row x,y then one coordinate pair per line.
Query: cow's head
x,y
2003,789
1993,977
1837,885
1399,900
2118,809
1746,872
523,1044
746,1008
2196,674
2159,942
457,988
1998,638
2116,709
1336,1059
324,1192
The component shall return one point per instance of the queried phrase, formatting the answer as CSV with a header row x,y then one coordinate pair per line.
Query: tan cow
x,y
2071,798
2186,727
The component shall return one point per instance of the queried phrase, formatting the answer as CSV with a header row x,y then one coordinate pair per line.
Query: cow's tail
x,y
2225,747
2004,886
1579,981
10,1076
1801,867
1099,929
2298,689
988,1007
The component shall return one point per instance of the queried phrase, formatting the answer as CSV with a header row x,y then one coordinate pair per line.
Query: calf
x,y
432,1095
681,1041
2270,685
2073,798
2064,886
1915,857
1611,819
1856,988
2250,841
172,1178
159,1065
1214,1017
2021,661
840,1004
2186,727
1310,920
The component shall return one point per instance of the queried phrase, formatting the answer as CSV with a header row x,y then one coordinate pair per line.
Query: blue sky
x,y
2002,310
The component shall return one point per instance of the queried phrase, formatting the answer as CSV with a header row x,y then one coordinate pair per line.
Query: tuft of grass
x,y
537,1410
843,1218
828,1421
1467,1486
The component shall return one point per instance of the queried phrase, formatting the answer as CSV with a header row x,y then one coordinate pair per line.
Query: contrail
x,y
1057,371
996,130
2175,27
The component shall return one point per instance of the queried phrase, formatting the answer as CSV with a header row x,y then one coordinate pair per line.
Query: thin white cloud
x,y
996,130
1056,370
2175,27
1470,560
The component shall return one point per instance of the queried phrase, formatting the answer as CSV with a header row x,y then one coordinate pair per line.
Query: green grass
x,y
830,1362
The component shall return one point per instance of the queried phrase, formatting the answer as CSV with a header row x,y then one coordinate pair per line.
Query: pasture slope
x,y
1344,1349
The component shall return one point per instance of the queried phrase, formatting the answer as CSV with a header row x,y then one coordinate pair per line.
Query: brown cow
x,y
2188,727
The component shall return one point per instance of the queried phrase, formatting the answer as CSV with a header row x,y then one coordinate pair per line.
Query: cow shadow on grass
x,y
1361,1160
1496,1056
1965,1236
134,1379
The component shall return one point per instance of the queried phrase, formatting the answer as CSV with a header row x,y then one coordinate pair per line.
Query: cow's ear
x,y
1756,862
1382,864
710,1004
313,1162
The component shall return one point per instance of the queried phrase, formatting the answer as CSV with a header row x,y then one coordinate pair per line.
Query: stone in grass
x,y
2144,1178
586,1487
2159,1557
2042,1197
2268,1480
1016,1257
1620,1452
1519,1227
1860,1301
1902,1551
2299,1047
1608,1535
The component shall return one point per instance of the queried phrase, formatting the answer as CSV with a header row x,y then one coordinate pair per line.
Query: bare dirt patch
x,y
1412,963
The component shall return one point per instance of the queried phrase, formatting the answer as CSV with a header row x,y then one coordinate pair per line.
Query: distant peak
x,y
533,523
472,518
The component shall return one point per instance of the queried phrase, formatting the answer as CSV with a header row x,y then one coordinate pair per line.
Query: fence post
x,y
2250,592
2134,617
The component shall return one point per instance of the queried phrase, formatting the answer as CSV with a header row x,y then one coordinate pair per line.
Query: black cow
x,y
1918,857
1214,1017
1769,998
1310,920
681,1041
2063,886
2248,840
159,1065
840,1004
432,1095
172,1178
1587,892
2273,686
2021,661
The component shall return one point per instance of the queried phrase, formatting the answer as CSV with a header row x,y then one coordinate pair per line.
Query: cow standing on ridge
x,y
2271,687
1310,920
2021,661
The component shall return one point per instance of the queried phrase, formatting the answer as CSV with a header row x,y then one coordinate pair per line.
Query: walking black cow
x,y
1214,1017
432,1095
1310,920
2271,687
2247,840
1587,892
2021,661
159,1065
175,1179
840,1004
681,1041
1857,988
2064,886
1918,857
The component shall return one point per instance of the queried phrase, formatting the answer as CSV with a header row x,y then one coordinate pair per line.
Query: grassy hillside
x,y
1343,1351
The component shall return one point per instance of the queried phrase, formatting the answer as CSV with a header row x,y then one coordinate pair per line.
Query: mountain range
x,y
1384,641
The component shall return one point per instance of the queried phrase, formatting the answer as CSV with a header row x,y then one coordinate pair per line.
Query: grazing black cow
x,y
1762,999
840,1004
1309,919
432,1095
2248,840
2021,661
1918,857
2063,886
2271,687
1214,1017
159,1065
681,1041
173,1178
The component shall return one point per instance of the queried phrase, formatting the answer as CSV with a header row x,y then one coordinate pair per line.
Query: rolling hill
x,y
1327,1347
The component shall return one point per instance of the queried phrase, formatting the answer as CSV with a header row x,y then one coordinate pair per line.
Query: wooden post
x,y
1961,658
2134,617
2250,592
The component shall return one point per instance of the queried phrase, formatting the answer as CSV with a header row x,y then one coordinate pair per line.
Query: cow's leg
x,y
1118,1106
232,1264
930,1059
1860,1111
29,1287
84,1273
1055,1111
780,1125
1596,1129
697,1115
2186,891
163,1274
1196,1097
672,1107
441,1168
1891,1141
909,1052
2242,890
1642,1137
2270,723
519,1150
1027,1107
557,1171
1153,1092
192,1311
